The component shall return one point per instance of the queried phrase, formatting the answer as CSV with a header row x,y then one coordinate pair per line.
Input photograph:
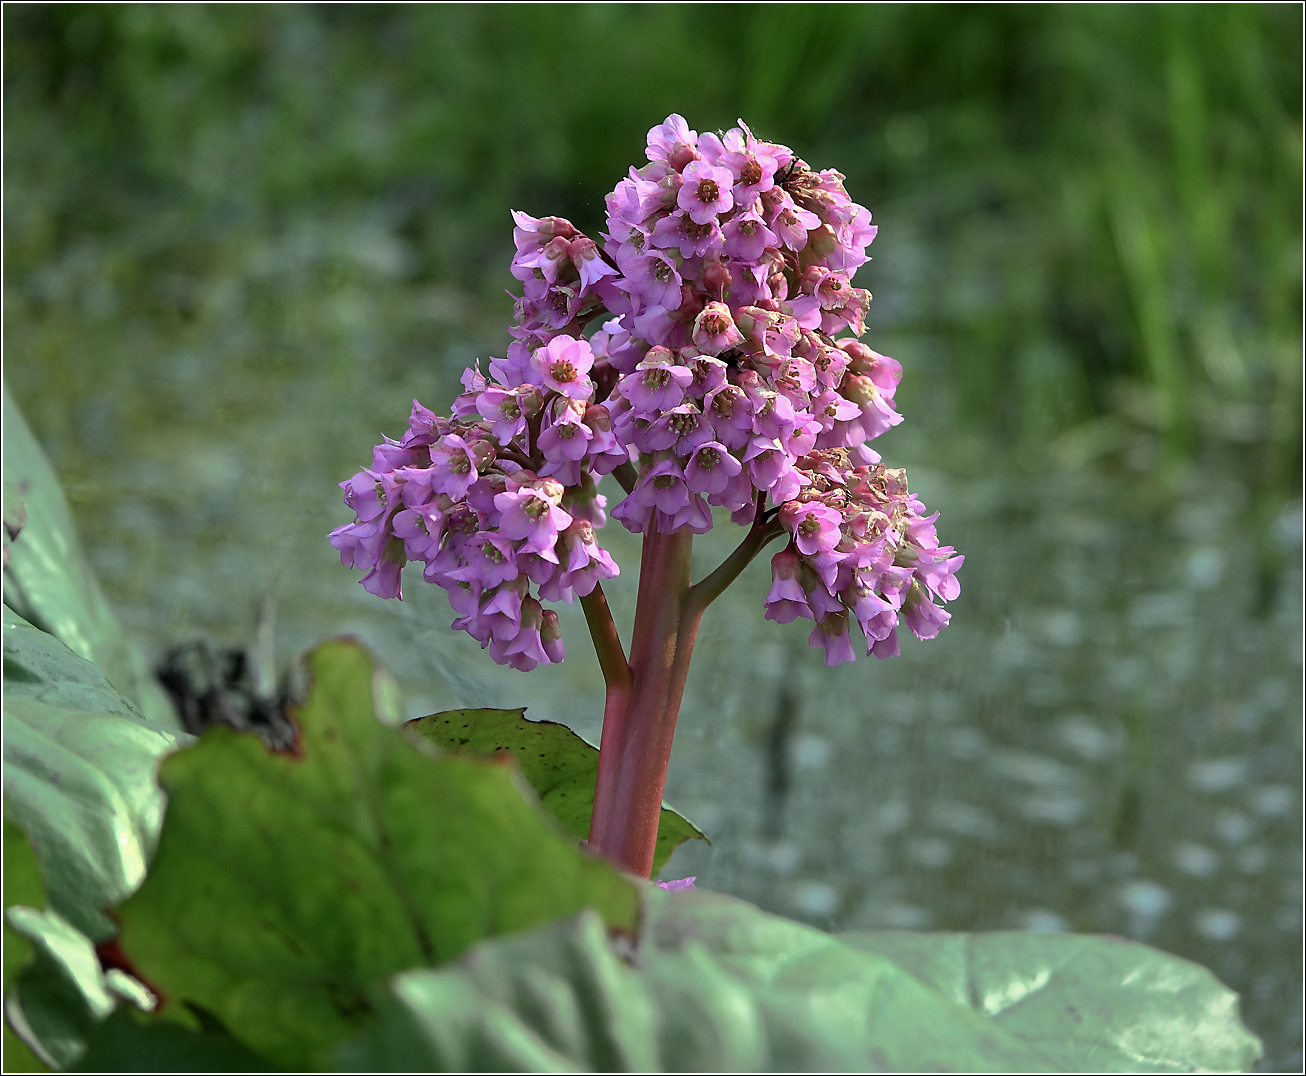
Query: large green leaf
x,y
38,666
560,766
129,1042
79,776
82,785
285,887
63,992
716,985
48,581
1095,1004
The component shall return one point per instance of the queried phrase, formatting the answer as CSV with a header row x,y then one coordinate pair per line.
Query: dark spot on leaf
x,y
347,1001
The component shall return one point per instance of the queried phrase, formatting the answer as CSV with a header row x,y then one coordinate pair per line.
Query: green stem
x,y
705,592
626,476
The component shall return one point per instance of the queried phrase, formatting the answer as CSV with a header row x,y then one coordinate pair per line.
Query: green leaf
x,y
82,785
79,773
128,1042
48,581
22,885
1094,1004
285,887
63,991
715,985
559,765
38,666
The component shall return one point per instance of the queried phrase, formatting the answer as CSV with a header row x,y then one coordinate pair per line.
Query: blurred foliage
x,y
1108,196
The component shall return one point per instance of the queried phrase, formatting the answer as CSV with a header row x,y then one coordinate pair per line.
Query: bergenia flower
x,y
720,292
563,365
705,191
715,330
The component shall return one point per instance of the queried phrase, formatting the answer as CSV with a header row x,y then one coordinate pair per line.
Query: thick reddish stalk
x,y
639,720
631,790
616,674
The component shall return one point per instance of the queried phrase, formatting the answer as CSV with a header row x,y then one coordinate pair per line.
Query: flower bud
x,y
483,452
716,277
551,636
681,155
530,401
715,329
861,359
691,303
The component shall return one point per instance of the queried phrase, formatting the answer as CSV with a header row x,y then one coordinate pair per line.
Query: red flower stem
x,y
617,677
630,792
639,723
616,706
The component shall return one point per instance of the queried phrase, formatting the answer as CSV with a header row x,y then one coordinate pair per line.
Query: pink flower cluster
x,y
724,275
460,496
863,551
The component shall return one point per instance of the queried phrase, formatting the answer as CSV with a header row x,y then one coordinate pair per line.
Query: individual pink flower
x,y
705,191
526,649
551,636
420,529
491,560
369,494
715,330
453,466
792,224
692,239
653,279
924,618
665,138
787,600
528,514
711,468
831,632
746,236
502,408
657,383
359,543
816,527
730,412
588,261
585,562
563,364
564,440
663,487
678,885
682,429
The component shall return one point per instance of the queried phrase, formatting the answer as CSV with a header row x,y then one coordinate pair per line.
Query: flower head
x,y
720,290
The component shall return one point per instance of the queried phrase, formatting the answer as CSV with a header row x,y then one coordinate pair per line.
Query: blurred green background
x,y
239,240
